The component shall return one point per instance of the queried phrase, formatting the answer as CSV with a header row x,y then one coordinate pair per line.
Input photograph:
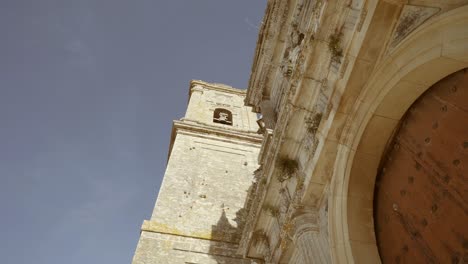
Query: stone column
x,y
194,107
312,247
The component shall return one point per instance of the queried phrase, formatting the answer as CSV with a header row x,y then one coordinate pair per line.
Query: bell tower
x,y
212,156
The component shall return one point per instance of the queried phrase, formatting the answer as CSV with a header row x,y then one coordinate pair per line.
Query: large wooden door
x,y
421,194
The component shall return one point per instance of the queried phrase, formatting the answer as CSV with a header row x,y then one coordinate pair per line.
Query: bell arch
x,y
222,116
432,52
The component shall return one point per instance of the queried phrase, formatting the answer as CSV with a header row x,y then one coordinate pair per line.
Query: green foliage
x,y
272,210
334,45
288,167
313,123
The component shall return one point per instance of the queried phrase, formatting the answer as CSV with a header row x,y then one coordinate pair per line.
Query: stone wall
x,y
205,177
199,215
171,249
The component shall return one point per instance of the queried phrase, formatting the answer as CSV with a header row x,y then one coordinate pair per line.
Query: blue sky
x,y
88,92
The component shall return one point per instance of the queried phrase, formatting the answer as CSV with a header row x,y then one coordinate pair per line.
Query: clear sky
x,y
88,92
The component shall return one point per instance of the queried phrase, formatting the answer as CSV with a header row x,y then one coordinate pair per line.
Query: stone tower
x,y
199,215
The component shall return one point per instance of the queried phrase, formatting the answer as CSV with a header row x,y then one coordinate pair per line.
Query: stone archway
x,y
433,51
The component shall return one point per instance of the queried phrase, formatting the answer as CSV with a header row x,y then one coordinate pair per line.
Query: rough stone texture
x,y
204,178
173,249
198,217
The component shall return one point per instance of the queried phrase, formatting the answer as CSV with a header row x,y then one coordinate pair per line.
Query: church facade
x,y
360,154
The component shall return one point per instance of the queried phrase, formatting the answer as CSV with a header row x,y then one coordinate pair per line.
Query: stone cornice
x,y
155,227
273,25
250,137
253,91
217,87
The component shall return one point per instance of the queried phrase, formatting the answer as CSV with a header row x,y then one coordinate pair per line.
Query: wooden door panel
x,y
421,194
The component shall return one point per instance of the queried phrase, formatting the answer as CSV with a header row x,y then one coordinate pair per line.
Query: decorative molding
x,y
362,18
190,125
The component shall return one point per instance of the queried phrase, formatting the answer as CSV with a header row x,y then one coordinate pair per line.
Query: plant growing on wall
x,y
334,45
284,243
287,167
313,123
287,229
272,210
259,236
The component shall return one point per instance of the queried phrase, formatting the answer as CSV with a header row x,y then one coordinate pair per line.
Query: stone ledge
x,y
155,227
217,87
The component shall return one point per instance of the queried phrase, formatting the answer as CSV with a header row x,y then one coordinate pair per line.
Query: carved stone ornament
x,y
411,17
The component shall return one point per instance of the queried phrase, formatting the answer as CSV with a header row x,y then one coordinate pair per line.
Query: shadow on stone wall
x,y
226,237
